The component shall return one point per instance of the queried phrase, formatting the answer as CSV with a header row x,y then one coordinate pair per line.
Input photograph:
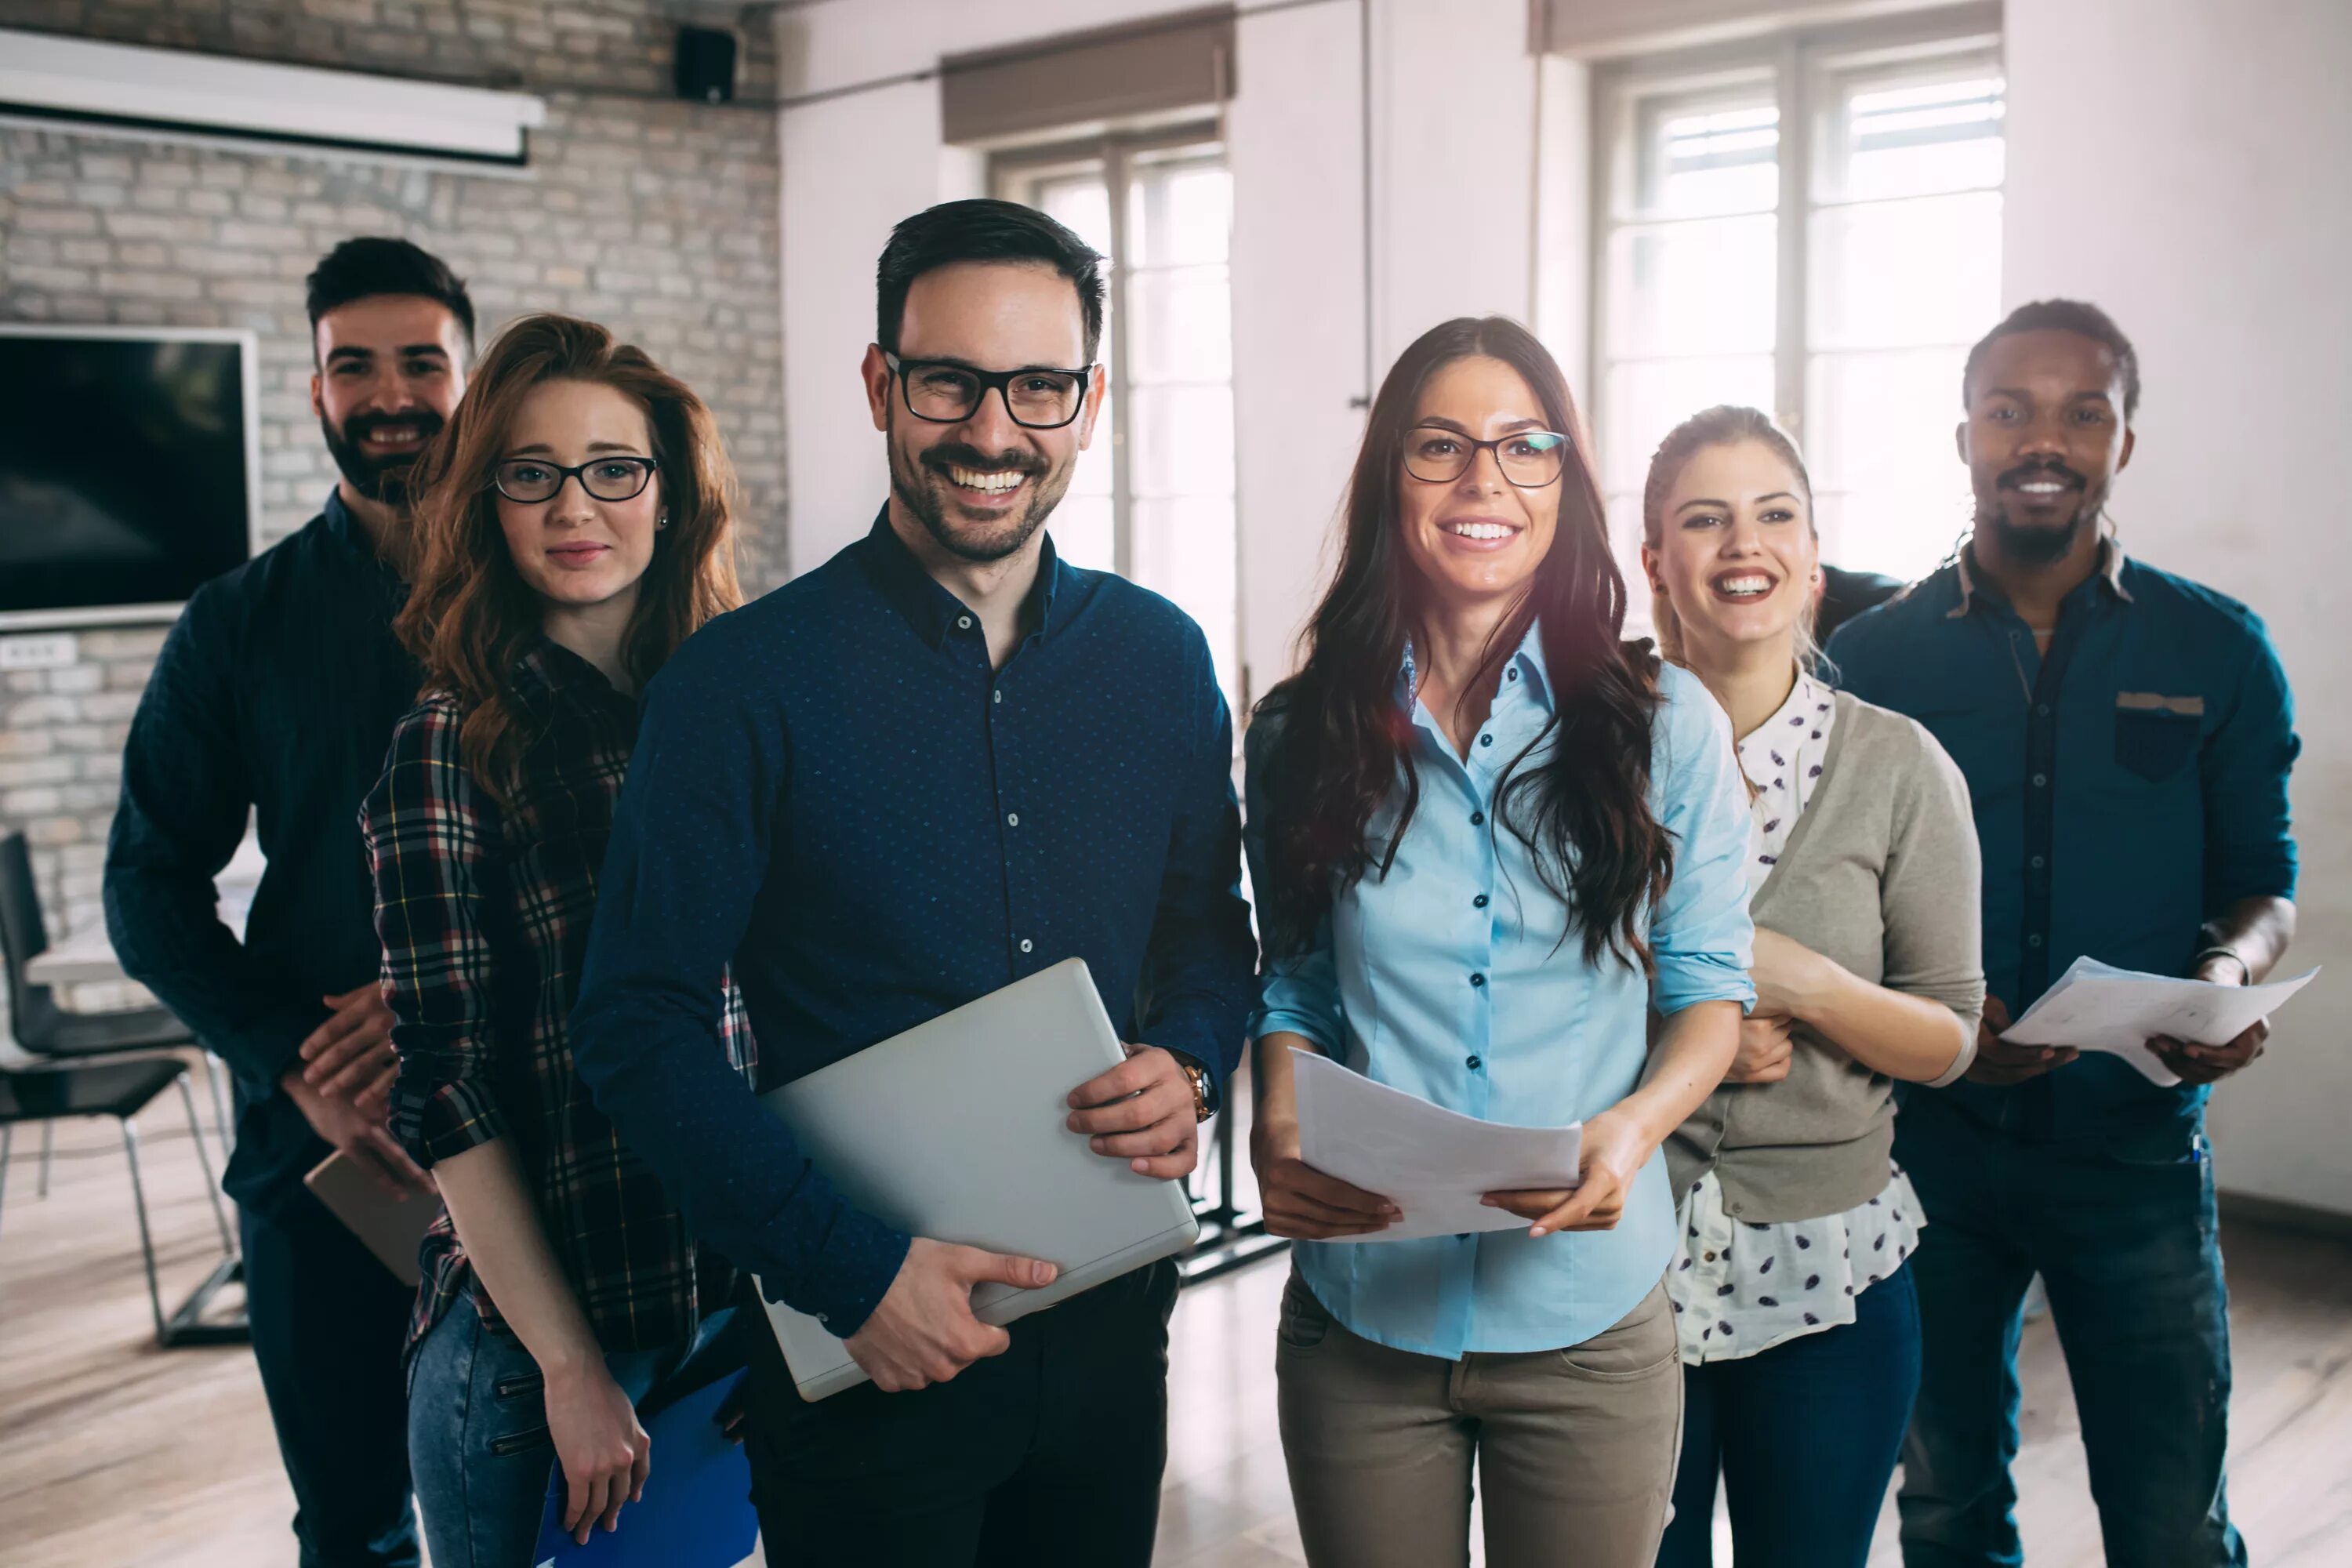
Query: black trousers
x,y
1051,1453
328,1323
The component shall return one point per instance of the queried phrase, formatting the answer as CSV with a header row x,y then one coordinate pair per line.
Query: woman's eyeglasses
x,y
1528,458
944,392
533,479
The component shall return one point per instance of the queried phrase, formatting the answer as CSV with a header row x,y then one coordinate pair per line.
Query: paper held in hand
x,y
2095,1007
1432,1163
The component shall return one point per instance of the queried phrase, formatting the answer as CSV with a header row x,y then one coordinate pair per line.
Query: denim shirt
x,y
2128,782
1448,979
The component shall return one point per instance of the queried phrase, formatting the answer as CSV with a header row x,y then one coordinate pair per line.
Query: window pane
x,y
1717,156
1937,131
1692,288
1894,274
1890,495
1645,400
1081,530
1184,548
1178,215
1180,441
1625,545
1179,325
1081,202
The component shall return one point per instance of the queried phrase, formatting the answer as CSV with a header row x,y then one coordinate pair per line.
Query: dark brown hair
x,y
470,615
1582,805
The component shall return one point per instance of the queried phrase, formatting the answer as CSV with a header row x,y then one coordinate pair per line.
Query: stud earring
x,y
661,522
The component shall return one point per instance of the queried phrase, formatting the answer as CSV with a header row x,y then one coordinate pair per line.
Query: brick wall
x,y
655,216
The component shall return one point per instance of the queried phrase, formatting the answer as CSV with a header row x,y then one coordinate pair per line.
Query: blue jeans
x,y
1805,1435
478,1450
2122,1231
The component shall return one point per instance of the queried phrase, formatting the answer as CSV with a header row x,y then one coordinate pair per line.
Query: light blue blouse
x,y
1448,979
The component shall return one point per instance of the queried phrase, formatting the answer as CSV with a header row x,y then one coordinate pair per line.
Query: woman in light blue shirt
x,y
1488,840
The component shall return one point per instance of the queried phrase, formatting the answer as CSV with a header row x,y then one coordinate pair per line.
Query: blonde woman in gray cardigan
x,y
1799,1328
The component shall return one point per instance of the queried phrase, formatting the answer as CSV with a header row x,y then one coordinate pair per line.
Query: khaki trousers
x,y
1576,1447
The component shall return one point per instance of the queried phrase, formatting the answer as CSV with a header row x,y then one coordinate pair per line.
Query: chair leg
x,y
146,1240
48,1131
204,1162
213,1068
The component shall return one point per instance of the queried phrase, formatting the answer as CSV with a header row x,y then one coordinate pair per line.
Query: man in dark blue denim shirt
x,y
274,698
2126,736
941,762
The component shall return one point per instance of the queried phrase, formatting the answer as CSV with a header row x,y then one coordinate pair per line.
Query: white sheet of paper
x,y
1432,1163
2098,1007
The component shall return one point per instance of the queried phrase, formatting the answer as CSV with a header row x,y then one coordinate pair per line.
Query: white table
x,y
87,957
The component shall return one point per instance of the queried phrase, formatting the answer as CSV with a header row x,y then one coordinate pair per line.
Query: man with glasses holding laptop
x,y
941,762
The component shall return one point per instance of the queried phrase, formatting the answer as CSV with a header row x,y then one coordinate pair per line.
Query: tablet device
x,y
954,1129
391,1228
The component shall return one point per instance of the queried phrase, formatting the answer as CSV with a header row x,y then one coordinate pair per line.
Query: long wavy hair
x,y
1577,796
470,617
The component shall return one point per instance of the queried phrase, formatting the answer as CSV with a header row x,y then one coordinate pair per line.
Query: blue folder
x,y
696,1511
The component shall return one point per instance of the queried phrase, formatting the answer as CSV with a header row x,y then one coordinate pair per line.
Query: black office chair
x,y
123,1090
43,1028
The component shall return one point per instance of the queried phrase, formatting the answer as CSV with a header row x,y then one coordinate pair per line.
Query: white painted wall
x,y
2182,163
1454,153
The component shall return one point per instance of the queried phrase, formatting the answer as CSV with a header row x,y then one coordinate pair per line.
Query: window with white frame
x,y
1153,497
1810,225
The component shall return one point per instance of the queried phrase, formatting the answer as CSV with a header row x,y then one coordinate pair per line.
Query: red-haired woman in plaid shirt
x,y
573,528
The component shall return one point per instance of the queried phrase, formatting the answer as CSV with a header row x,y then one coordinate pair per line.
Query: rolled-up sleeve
x,y
428,833
1700,937
2249,837
1298,993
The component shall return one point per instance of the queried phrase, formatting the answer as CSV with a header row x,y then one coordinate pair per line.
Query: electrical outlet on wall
x,y
49,650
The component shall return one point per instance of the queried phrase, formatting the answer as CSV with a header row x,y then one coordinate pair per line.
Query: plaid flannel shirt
x,y
484,910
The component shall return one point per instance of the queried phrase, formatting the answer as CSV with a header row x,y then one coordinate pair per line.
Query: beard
x,y
2037,544
920,480
384,479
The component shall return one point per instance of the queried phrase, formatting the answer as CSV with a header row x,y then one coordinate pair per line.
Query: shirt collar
x,y
353,537
1528,659
1804,697
547,667
2111,572
932,609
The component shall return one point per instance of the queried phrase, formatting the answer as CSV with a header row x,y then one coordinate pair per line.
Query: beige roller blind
x,y
1114,75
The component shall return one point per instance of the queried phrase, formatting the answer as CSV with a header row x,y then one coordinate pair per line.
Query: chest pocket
x,y
2155,735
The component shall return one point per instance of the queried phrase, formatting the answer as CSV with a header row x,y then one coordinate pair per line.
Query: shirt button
x,y
1510,675
1474,1064
1477,819
1012,819
2039,862
822,1318
2033,940
964,621
2041,781
1025,944
2041,711
1710,1258
1486,740
996,697
1477,982
1479,902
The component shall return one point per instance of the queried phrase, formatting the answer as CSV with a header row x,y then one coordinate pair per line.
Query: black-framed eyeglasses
x,y
944,392
532,479
1528,458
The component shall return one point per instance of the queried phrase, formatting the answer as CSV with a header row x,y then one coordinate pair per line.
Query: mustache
x,y
2047,470
956,453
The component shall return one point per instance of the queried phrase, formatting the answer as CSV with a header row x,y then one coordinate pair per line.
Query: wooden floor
x,y
113,1452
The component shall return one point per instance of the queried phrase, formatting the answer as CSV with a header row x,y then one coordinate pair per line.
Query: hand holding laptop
x,y
922,1331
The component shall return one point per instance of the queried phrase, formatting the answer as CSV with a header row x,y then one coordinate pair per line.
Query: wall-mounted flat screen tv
x,y
130,470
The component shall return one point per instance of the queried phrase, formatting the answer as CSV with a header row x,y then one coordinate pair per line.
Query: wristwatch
x,y
1204,1088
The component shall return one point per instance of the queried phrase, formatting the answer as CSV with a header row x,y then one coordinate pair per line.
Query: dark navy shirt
x,y
2129,784
275,696
834,790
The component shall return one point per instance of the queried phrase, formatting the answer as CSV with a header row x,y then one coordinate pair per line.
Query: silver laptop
x,y
954,1131
391,1228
